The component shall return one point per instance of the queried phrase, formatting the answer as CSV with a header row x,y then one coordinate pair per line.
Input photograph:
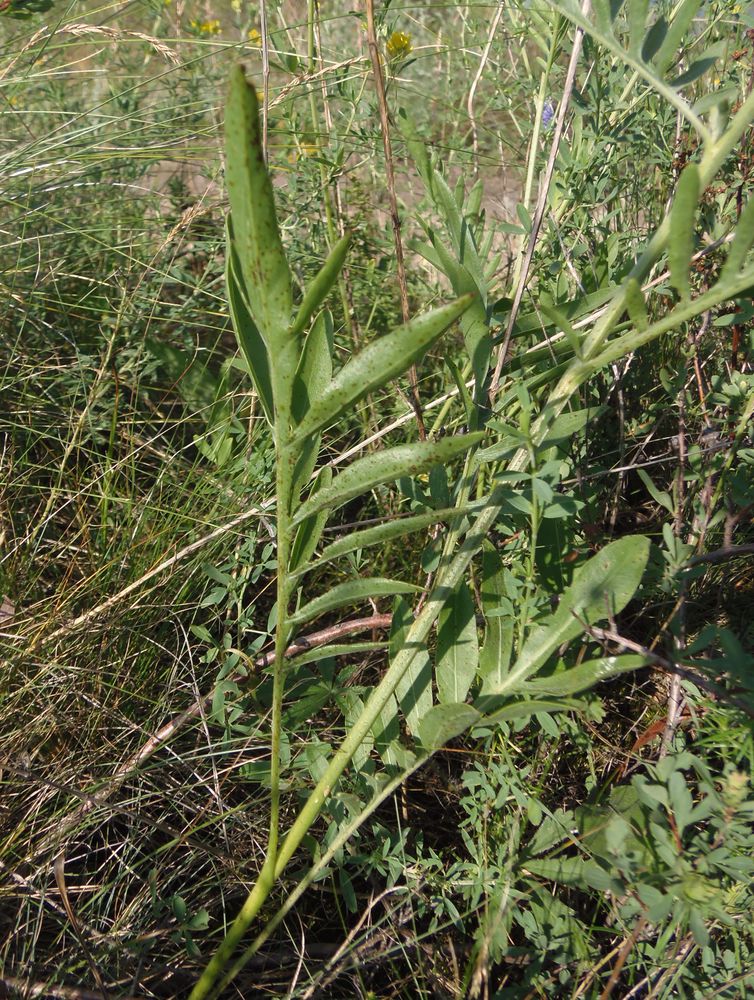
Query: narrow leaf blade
x,y
741,244
351,592
383,466
601,587
321,285
636,306
414,689
457,647
681,242
381,533
379,362
585,676
260,251
249,339
444,722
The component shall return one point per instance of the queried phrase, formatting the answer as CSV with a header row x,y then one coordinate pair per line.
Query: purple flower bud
x,y
548,113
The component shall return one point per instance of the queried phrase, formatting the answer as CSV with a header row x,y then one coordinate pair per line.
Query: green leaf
x,y
414,689
416,147
635,304
741,244
636,12
601,587
457,646
320,286
495,654
386,731
379,362
463,393
567,425
562,323
654,39
682,219
574,871
320,653
676,32
659,496
602,15
698,68
523,214
445,722
585,676
381,533
256,236
250,343
351,592
310,528
383,466
522,710
314,370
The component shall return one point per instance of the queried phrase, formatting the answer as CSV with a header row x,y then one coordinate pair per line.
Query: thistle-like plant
x,y
288,350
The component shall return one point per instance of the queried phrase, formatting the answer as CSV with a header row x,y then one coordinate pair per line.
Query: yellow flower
x,y
254,37
211,27
399,45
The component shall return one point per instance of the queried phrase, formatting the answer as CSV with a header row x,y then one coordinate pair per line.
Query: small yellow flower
x,y
255,37
211,27
399,45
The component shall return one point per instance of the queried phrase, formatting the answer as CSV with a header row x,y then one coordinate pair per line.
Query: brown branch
x,y
722,555
202,704
379,86
604,634
622,956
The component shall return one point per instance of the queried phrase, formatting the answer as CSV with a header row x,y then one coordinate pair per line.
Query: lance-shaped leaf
x,y
383,466
249,340
524,710
256,235
654,39
414,689
312,376
635,304
681,242
495,654
601,587
381,533
336,649
315,366
585,676
457,646
676,32
321,285
741,244
351,592
636,14
310,529
377,363
444,722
